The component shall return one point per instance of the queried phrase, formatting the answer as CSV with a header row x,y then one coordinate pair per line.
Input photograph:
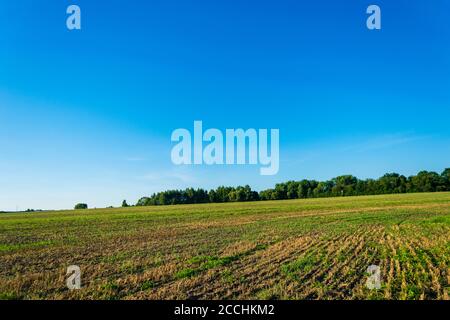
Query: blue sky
x,y
86,116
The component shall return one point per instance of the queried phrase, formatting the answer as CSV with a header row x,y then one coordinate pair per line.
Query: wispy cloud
x,y
353,146
169,177
135,159
385,141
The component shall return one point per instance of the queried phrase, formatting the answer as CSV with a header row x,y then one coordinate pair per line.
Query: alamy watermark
x,y
374,280
73,21
374,20
236,146
73,280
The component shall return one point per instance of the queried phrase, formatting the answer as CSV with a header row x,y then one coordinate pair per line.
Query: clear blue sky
x,y
86,116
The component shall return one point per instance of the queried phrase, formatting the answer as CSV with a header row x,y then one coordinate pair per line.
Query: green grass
x,y
301,265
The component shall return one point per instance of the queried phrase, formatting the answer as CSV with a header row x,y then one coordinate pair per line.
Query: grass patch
x,y
300,266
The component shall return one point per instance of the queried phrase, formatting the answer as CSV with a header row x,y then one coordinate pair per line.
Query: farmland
x,y
293,249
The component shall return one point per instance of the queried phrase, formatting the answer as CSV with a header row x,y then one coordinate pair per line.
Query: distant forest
x,y
346,185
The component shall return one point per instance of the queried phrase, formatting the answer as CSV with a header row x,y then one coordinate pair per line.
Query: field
x,y
295,249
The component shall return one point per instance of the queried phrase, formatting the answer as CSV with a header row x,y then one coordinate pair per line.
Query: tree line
x,y
345,185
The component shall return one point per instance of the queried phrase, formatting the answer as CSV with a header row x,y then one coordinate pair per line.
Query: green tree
x,y
425,181
446,178
344,185
292,190
81,206
281,191
302,190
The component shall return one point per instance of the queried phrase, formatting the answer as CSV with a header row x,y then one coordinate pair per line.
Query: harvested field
x,y
294,249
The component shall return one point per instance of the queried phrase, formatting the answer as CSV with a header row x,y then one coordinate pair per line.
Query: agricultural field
x,y
294,249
